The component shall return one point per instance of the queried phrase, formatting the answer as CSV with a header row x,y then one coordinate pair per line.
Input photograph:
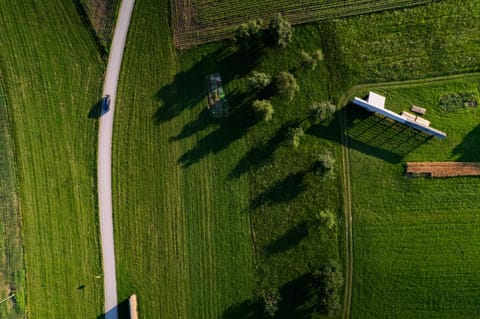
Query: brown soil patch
x,y
443,169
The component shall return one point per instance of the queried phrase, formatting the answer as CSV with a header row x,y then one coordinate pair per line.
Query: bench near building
x,y
376,103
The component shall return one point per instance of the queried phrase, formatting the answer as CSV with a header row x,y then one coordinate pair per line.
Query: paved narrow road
x,y
104,167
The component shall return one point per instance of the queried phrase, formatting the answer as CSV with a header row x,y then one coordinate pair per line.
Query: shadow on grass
x,y
248,309
469,148
299,298
96,111
372,135
122,309
260,154
289,239
229,130
282,191
188,87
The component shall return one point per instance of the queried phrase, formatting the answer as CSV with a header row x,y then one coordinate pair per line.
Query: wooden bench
x,y
421,121
418,109
408,116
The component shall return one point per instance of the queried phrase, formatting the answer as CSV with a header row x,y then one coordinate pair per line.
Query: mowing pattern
x,y
416,241
443,169
52,76
182,229
12,269
201,21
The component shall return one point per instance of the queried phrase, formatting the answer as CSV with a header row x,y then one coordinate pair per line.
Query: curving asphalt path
x,y
104,167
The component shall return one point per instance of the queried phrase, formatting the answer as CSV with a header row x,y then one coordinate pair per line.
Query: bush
x,y
270,299
259,80
319,112
327,218
324,164
331,282
280,31
263,109
287,85
294,135
311,61
249,33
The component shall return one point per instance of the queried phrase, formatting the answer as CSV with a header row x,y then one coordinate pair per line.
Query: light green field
x,y
182,229
52,77
416,239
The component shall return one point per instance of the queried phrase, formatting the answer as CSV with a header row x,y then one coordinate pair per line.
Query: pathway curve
x,y
104,167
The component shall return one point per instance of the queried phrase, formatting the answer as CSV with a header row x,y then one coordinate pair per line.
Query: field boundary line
x,y
104,158
346,181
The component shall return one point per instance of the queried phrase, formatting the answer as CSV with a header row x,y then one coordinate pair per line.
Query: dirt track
x,y
443,169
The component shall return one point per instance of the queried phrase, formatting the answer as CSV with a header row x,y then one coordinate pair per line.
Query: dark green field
x,y
416,246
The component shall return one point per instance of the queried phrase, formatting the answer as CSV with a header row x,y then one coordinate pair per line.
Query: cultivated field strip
x,y
201,21
12,274
443,169
101,15
52,74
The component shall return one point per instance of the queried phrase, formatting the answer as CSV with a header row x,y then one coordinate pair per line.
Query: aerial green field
x,y
52,73
12,275
201,21
421,42
182,228
416,239
204,207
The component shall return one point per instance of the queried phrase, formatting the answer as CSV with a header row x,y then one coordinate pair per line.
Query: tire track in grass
x,y
347,208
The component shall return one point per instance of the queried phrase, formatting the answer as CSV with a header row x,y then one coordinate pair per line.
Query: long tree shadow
x,y
229,130
188,87
289,239
248,309
282,191
260,154
372,135
469,148
299,298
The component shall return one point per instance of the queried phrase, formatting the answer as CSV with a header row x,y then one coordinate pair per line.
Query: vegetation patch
x,y
458,101
201,21
101,14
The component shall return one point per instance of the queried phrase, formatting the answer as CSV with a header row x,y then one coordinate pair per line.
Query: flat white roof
x,y
376,99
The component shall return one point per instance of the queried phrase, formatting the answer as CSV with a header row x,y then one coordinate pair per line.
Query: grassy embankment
x,y
52,76
192,195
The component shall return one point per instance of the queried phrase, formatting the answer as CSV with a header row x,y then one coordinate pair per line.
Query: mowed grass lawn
x,y
181,227
52,76
416,240
209,212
